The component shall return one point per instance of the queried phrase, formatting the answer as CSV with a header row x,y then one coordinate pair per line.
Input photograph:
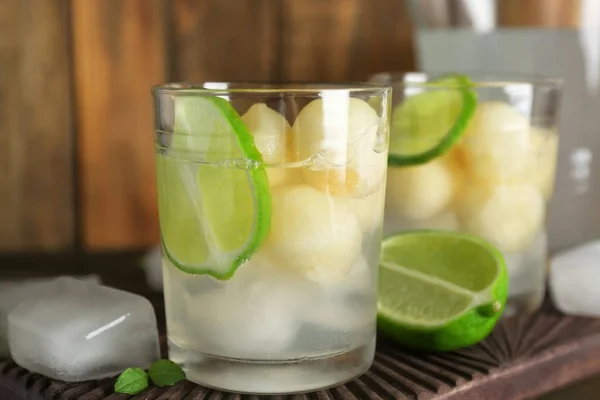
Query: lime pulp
x,y
213,217
426,125
440,290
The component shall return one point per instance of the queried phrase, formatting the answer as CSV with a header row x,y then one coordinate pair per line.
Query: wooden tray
x,y
523,358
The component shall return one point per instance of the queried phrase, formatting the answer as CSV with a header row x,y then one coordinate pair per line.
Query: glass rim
x,y
216,88
479,79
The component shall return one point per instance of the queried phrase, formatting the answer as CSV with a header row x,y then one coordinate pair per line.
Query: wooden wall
x,y
36,126
76,158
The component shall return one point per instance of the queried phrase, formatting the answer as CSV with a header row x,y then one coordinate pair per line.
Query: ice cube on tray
x,y
575,280
82,331
12,292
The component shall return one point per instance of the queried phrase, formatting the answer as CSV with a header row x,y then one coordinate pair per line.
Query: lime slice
x,y
427,125
214,213
440,290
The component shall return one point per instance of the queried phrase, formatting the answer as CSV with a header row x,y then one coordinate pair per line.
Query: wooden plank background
x,y
344,40
76,154
548,13
36,135
91,184
221,40
119,51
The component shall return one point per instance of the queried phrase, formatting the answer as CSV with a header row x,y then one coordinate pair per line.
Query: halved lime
x,y
428,124
440,290
214,213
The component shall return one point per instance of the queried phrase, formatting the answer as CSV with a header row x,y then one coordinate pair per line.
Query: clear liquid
x,y
303,323
263,315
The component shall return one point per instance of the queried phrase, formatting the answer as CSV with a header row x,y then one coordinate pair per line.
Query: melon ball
x,y
496,144
509,216
543,156
272,137
419,192
313,233
342,137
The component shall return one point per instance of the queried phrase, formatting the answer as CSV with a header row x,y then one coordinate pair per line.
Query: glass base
x,y
524,303
273,377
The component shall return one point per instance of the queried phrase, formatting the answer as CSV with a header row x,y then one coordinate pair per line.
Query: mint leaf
x,y
132,381
165,373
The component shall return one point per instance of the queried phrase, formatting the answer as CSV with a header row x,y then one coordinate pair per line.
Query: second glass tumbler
x,y
477,153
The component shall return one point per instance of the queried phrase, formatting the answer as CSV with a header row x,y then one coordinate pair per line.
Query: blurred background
x,y
76,153
75,112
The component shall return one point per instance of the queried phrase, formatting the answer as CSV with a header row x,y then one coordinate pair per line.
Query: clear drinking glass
x,y
490,174
271,201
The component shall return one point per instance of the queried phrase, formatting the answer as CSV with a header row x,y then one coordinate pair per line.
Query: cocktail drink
x,y
271,201
477,155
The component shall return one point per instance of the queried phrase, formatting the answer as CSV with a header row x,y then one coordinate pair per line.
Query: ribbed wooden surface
x,y
523,358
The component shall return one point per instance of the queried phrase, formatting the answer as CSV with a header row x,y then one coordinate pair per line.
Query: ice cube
x,y
575,280
350,304
14,292
419,192
255,315
360,279
83,331
343,314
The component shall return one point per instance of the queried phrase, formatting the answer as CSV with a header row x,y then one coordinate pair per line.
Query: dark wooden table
x,y
524,357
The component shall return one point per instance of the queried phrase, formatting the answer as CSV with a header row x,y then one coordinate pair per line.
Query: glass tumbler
x,y
271,203
477,153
